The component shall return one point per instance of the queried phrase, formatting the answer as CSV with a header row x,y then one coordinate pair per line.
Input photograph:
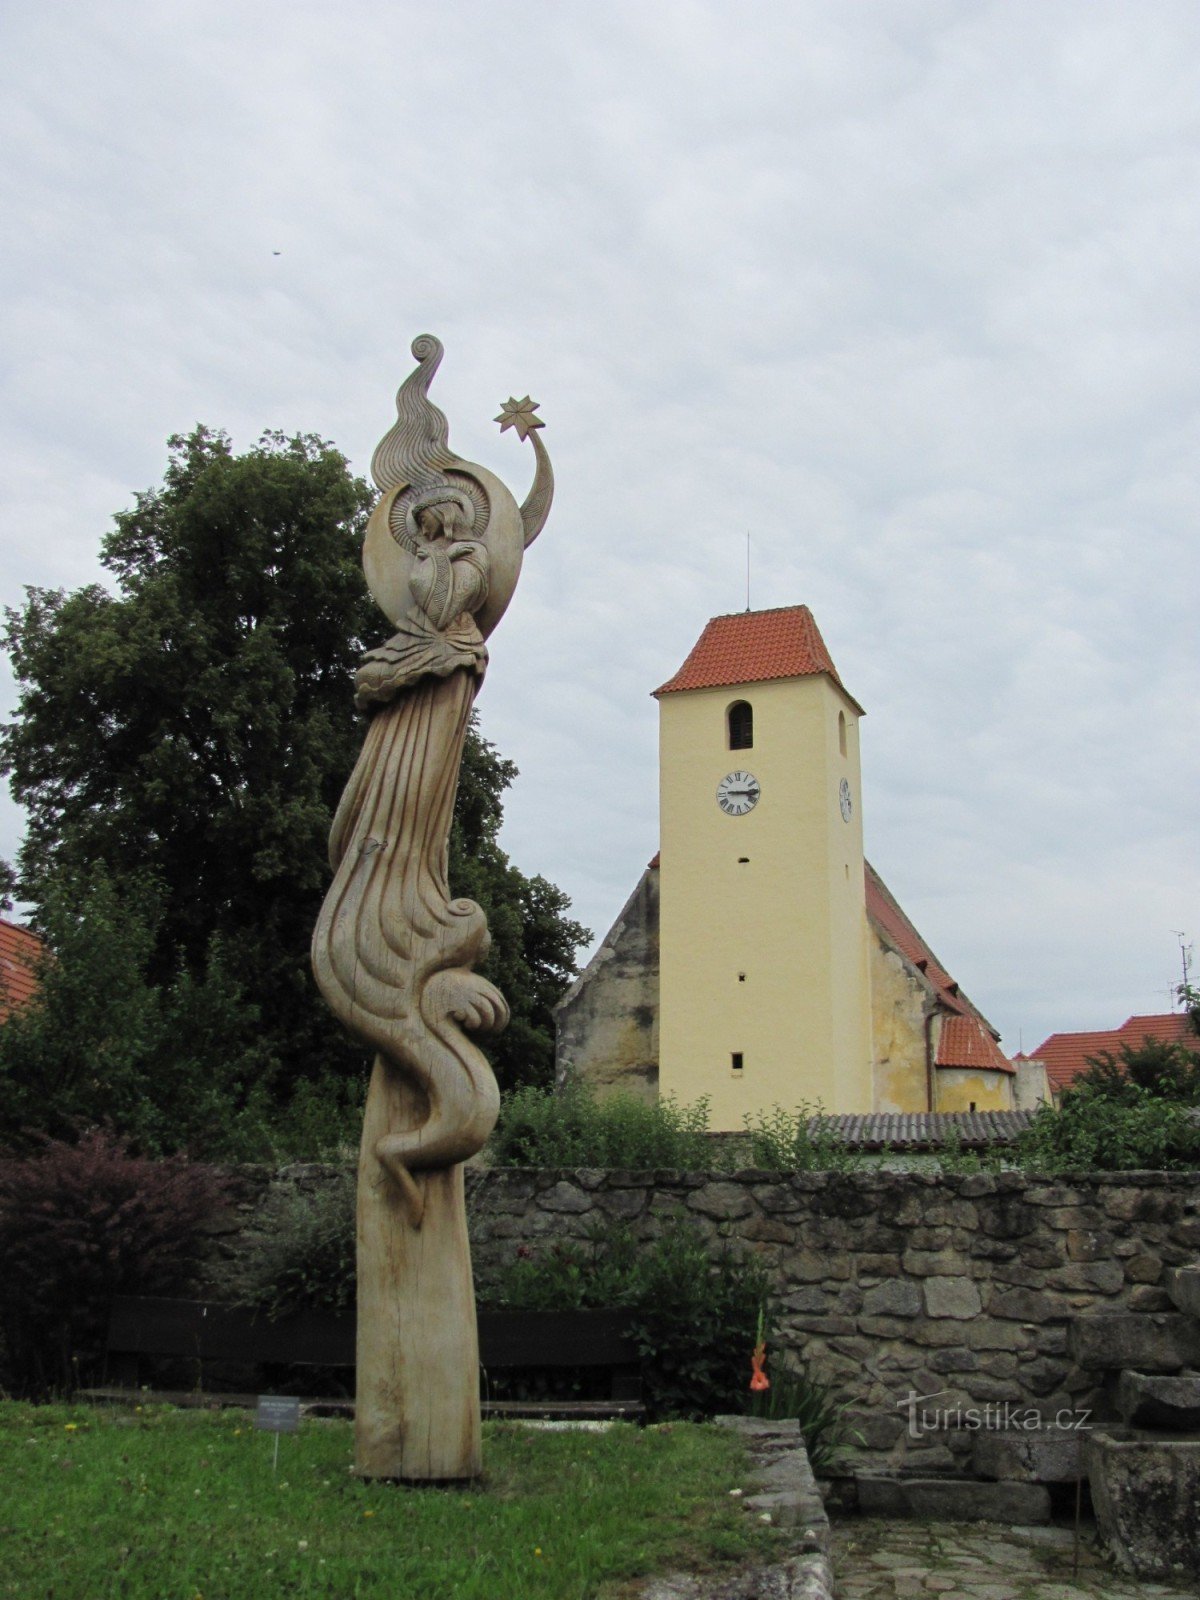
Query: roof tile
x,y
20,950
1066,1054
753,647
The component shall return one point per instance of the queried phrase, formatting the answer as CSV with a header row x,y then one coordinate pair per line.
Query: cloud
x,y
905,293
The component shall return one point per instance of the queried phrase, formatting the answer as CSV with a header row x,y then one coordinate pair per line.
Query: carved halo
x,y
390,546
466,492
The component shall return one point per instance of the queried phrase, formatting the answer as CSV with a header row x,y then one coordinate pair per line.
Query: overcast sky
x,y
908,290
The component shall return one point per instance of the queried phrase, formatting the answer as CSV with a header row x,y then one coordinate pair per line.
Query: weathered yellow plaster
x,y
960,1089
899,1002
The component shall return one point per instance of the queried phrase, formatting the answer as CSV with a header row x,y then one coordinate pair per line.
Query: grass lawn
x,y
181,1505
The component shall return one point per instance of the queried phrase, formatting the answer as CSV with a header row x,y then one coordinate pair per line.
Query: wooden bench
x,y
206,1332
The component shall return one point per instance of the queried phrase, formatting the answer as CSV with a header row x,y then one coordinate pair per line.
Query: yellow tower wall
x,y
766,956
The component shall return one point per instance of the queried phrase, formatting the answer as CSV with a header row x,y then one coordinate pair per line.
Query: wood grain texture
x,y
393,953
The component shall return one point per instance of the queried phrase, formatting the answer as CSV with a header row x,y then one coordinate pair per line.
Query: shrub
x,y
1094,1131
695,1324
795,1141
1169,1070
302,1259
693,1313
80,1223
569,1127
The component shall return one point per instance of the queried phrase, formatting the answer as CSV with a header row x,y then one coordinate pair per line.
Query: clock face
x,y
738,793
844,800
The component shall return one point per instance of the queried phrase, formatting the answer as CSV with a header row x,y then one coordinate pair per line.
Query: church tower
x,y
764,987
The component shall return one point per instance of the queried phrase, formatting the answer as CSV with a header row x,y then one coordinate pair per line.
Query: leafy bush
x,y
795,1141
693,1313
80,1223
955,1159
1095,1131
303,1257
172,1064
1168,1070
695,1324
569,1127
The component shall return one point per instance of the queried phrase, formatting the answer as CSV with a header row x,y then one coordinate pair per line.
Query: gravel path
x,y
877,1560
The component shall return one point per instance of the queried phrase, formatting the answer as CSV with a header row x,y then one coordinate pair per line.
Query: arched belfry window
x,y
842,732
741,725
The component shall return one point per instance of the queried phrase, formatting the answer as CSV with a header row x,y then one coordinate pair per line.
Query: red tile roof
x,y
20,950
883,909
1066,1054
967,1042
967,1037
753,647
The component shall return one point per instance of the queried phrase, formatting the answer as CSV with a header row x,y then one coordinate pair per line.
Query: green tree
x,y
194,730
1169,1070
175,1065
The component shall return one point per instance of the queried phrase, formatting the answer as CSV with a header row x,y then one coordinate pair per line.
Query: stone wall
x,y
890,1282
959,1286
606,1025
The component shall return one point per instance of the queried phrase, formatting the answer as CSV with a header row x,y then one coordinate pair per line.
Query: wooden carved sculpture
x,y
393,953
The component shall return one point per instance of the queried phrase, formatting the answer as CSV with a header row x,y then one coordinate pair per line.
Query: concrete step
x,y
1150,1400
1183,1285
952,1499
1049,1455
1154,1341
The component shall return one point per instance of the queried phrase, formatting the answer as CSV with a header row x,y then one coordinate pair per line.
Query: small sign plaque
x,y
277,1413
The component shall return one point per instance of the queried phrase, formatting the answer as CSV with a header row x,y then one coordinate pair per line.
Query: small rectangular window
x,y
735,1061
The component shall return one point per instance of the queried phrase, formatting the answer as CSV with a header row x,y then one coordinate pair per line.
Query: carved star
x,y
519,414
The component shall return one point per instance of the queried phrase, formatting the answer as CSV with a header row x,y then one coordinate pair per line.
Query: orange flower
x,y
758,1378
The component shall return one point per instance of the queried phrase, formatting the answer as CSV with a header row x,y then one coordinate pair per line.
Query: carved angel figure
x,y
393,954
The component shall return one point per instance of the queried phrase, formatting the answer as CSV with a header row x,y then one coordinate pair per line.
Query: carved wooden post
x,y
393,953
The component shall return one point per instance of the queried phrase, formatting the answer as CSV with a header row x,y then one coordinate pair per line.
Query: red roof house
x,y
20,952
1066,1055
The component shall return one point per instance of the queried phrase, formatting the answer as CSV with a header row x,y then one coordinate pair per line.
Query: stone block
x,y
1183,1286
723,1202
811,1298
1144,1268
814,1266
1025,1455
953,1500
951,1360
879,1430
1085,1244
1100,1277
1143,1342
1148,1297
951,1297
896,1298
1008,1217
993,1250
1027,1305
988,1335
875,1265
1142,1204
1146,1496
565,1197
774,1198
933,1263
976,1184
1148,1400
